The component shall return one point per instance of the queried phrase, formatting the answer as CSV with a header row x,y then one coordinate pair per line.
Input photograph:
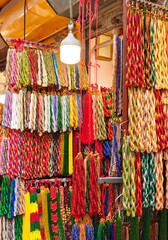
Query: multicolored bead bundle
x,y
42,112
43,211
129,188
28,155
142,120
48,210
93,199
147,83
12,208
42,67
112,97
147,49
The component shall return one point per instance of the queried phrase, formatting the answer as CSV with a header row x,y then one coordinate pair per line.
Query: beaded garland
x,y
27,161
146,38
159,181
128,179
43,69
46,118
147,109
138,185
142,137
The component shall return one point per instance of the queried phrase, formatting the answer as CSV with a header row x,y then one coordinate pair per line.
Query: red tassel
x,y
75,142
87,128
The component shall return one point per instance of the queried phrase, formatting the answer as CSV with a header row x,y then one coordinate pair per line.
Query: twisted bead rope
x,y
132,112
140,117
152,120
140,52
159,181
93,210
9,65
14,123
21,199
94,116
128,178
3,119
101,128
129,75
63,103
48,114
45,113
160,121
76,110
71,111
4,157
48,60
67,111
43,68
145,179
56,71
152,57
44,76
53,114
39,77
78,187
142,125
114,72
6,115
25,70
166,175
98,190
149,119
138,193
152,180
148,51
14,68
54,214
164,57
132,185
160,55
41,112
40,212
10,109
62,209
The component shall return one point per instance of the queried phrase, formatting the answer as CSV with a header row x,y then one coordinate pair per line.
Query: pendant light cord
x,y
71,9
25,19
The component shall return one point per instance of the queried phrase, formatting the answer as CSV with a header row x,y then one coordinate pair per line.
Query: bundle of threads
x,y
147,82
48,210
85,181
28,155
40,67
93,200
98,117
115,154
146,48
142,120
117,77
12,208
83,229
129,188
42,112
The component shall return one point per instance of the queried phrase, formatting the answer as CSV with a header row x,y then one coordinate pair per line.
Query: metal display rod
x,y
154,4
113,180
35,43
49,180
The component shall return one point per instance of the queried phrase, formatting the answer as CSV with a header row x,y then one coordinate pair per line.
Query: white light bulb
x,y
70,49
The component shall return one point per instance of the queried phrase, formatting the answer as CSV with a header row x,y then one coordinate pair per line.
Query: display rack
x,y
113,180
